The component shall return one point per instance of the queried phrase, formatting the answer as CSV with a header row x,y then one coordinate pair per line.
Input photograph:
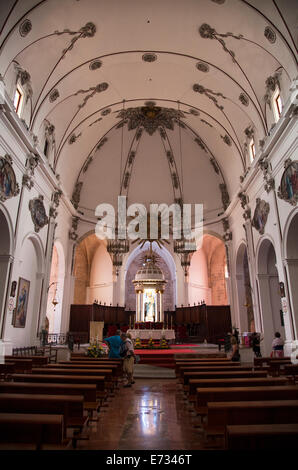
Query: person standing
x,y
128,355
256,344
114,343
235,349
277,346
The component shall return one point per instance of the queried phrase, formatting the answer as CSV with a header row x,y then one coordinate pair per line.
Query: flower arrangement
x,y
138,344
150,344
163,344
95,350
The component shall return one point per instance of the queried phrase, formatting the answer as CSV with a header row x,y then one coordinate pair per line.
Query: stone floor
x,y
151,415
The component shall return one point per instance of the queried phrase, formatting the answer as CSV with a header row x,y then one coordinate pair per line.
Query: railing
x,y
61,339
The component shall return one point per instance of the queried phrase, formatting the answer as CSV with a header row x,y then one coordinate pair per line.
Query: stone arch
x,y
166,264
207,272
269,295
87,289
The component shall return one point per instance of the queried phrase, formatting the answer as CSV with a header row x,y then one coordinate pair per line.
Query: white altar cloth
x,y
154,334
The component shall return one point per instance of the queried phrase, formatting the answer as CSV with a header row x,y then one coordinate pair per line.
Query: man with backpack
x,y
128,355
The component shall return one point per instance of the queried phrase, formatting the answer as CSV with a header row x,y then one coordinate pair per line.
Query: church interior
x,y
121,117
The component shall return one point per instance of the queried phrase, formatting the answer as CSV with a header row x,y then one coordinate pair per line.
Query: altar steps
x,y
156,359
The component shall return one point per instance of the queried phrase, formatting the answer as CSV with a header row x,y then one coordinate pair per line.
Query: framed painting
x,y
288,190
22,303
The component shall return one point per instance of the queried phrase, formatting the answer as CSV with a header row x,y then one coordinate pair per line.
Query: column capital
x,y
6,258
290,261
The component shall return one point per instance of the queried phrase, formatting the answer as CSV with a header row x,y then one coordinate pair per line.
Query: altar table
x,y
154,334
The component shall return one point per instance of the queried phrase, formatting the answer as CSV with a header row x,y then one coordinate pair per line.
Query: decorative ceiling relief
x,y
53,95
95,64
227,140
202,67
38,213
214,165
25,27
76,195
209,93
73,138
270,34
244,204
87,31
201,144
74,227
288,189
149,57
271,83
220,2
105,112
269,181
194,112
31,164
95,89
206,122
207,32
249,132
224,195
243,98
150,117
25,80
227,232
8,184
260,215
56,196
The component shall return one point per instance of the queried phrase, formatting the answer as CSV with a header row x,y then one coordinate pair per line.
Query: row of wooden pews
x,y
241,406
50,406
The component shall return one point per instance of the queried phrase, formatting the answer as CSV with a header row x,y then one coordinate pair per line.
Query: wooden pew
x,y
21,365
260,361
223,375
98,380
222,414
37,361
116,369
215,394
244,382
38,430
203,368
184,364
6,369
291,370
70,406
88,391
262,437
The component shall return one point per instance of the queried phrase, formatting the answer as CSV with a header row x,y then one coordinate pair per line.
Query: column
x,y
160,307
137,305
265,301
291,266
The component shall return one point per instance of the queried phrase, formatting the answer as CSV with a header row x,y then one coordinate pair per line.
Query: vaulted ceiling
x,y
158,91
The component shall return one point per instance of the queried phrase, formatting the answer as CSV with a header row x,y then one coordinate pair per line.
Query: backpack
x,y
123,350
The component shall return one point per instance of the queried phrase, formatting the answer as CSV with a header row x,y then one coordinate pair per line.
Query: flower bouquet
x,y
150,344
96,350
138,344
163,344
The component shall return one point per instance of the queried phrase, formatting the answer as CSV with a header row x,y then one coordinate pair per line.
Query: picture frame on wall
x,y
22,303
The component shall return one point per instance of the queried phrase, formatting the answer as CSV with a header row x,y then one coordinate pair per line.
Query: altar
x,y
154,334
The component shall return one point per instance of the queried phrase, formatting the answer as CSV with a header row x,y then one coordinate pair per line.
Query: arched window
x,y
276,104
18,101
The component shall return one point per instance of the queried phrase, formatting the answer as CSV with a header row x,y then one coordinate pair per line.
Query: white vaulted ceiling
x,y
90,59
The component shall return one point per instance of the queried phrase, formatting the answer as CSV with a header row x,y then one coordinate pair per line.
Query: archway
x,y
165,263
207,273
269,293
5,260
56,288
292,266
93,272
246,314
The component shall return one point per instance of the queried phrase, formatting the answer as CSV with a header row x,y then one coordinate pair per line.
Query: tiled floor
x,y
151,415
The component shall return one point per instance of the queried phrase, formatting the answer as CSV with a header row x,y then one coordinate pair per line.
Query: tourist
x,y
114,343
256,344
277,346
235,349
127,352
